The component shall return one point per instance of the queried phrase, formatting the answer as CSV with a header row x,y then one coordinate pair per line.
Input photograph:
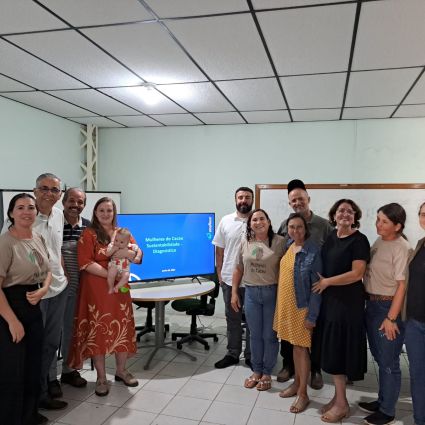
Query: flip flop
x,y
333,418
251,382
288,392
264,384
300,404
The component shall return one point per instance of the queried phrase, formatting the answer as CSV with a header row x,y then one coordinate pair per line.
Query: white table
x,y
162,291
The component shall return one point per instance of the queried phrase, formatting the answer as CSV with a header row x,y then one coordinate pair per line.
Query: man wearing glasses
x,y
49,223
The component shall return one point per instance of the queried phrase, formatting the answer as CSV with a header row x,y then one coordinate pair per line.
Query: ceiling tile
x,y
7,84
258,117
160,60
225,47
368,112
177,119
148,101
94,101
49,104
269,4
375,88
417,95
314,91
137,121
97,121
83,12
27,69
70,51
221,118
249,95
391,33
24,15
199,97
315,114
309,40
410,111
173,8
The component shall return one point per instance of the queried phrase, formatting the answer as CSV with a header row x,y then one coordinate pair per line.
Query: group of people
x,y
319,287
54,292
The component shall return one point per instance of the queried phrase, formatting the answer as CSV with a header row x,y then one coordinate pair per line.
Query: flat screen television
x,y
174,245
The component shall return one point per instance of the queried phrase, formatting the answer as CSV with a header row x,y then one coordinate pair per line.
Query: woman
x,y
24,279
257,267
340,340
104,322
297,307
385,285
414,312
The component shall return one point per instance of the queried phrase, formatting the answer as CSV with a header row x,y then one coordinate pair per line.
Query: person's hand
x,y
34,297
308,325
235,303
390,329
119,254
320,285
16,330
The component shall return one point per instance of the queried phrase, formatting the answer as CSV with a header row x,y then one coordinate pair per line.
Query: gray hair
x,y
78,189
46,176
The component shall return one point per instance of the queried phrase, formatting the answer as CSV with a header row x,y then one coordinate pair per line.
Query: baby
x,y
120,264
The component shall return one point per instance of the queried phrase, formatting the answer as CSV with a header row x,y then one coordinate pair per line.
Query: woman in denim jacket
x,y
297,308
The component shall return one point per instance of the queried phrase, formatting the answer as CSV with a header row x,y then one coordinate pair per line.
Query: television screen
x,y
174,245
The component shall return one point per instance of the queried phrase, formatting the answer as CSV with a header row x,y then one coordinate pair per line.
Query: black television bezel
x,y
174,277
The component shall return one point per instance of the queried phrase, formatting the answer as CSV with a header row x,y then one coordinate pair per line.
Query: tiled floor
x,y
178,391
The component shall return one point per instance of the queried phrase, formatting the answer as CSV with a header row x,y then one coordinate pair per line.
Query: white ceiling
x,y
214,62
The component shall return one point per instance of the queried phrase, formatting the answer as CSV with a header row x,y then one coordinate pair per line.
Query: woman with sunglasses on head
x,y
414,312
340,340
24,279
385,285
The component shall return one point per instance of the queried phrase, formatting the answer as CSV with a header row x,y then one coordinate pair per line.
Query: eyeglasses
x,y
344,211
46,189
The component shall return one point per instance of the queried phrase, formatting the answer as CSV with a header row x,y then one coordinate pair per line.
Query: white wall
x,y
198,168
33,142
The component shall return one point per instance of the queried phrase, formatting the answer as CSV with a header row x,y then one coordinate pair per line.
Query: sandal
x,y
327,406
264,384
299,404
291,391
251,382
333,418
128,379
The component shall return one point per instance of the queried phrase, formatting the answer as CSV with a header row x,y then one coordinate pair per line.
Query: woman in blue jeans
x,y
414,312
257,268
385,285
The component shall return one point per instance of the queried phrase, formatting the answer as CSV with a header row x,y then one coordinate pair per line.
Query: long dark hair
x,y
396,214
250,233
102,235
12,204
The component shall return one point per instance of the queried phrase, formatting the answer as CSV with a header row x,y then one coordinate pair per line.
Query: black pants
x,y
20,363
288,358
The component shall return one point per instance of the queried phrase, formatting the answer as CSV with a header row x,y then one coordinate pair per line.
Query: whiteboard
x,y
92,198
274,200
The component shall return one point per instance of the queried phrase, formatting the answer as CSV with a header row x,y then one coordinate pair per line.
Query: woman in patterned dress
x,y
297,308
104,322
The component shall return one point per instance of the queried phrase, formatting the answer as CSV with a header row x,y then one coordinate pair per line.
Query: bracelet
x,y
391,320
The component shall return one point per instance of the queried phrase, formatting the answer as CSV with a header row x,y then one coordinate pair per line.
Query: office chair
x,y
148,326
205,306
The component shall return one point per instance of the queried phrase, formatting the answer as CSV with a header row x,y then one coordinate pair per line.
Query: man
x,y
227,240
73,201
319,230
49,223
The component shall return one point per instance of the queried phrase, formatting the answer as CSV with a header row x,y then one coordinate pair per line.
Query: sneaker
x,y
285,374
226,361
369,407
379,418
316,381
54,389
52,404
74,379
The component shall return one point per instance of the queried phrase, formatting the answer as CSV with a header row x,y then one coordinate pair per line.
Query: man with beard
x,y
319,230
227,240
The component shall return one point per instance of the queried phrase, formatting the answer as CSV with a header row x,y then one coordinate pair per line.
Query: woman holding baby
x,y
104,322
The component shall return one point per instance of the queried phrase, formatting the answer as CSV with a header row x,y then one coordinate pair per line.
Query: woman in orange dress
x,y
104,322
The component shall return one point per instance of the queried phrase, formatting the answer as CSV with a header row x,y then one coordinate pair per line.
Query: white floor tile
x,y
117,396
125,416
187,407
149,401
172,420
238,395
88,414
179,369
210,374
227,414
200,389
270,417
166,384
